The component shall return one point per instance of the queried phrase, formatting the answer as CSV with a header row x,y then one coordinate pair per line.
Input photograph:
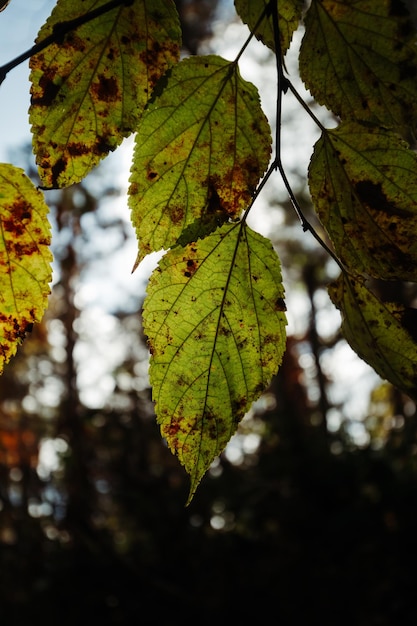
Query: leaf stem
x,y
249,39
305,106
58,33
304,221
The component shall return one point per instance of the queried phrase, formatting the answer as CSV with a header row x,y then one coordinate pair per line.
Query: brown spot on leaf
x,y
224,331
231,192
112,54
47,90
57,169
280,305
155,60
176,214
20,215
192,265
239,406
104,144
18,250
105,89
72,40
76,149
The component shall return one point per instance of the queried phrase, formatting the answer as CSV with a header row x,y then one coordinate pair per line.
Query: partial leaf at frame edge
x,y
382,333
25,258
360,60
215,321
200,150
364,187
89,90
289,17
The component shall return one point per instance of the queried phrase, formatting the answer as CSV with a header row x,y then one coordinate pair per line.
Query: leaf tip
x,y
136,263
195,481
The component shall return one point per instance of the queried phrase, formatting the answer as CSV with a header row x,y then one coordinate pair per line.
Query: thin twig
x,y
283,84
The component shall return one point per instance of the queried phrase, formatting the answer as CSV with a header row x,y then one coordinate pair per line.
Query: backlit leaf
x,y
360,60
382,333
201,148
364,186
215,322
89,90
25,270
289,16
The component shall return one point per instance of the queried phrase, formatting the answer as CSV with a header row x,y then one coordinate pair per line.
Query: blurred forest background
x,y
310,515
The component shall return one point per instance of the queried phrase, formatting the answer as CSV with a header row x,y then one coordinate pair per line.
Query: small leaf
x,y
364,187
360,60
215,322
289,17
89,90
377,331
201,147
25,270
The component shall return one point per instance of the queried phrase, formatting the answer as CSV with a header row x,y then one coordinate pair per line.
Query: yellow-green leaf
x,y
89,90
289,16
215,322
363,181
382,333
25,258
360,60
201,148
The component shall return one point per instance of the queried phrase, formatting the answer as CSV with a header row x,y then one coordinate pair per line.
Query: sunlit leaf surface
x,y
360,60
201,148
382,333
364,186
215,322
289,16
89,90
25,258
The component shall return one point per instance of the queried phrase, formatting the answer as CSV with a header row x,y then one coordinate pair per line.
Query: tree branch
x,y
58,33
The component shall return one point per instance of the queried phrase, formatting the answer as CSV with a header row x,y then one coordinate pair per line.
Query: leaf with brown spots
x,y
289,17
215,320
360,60
25,258
201,148
378,332
364,187
89,90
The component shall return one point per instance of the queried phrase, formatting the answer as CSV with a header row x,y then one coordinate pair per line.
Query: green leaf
x,y
89,90
364,186
360,60
201,148
382,333
25,270
215,322
289,16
